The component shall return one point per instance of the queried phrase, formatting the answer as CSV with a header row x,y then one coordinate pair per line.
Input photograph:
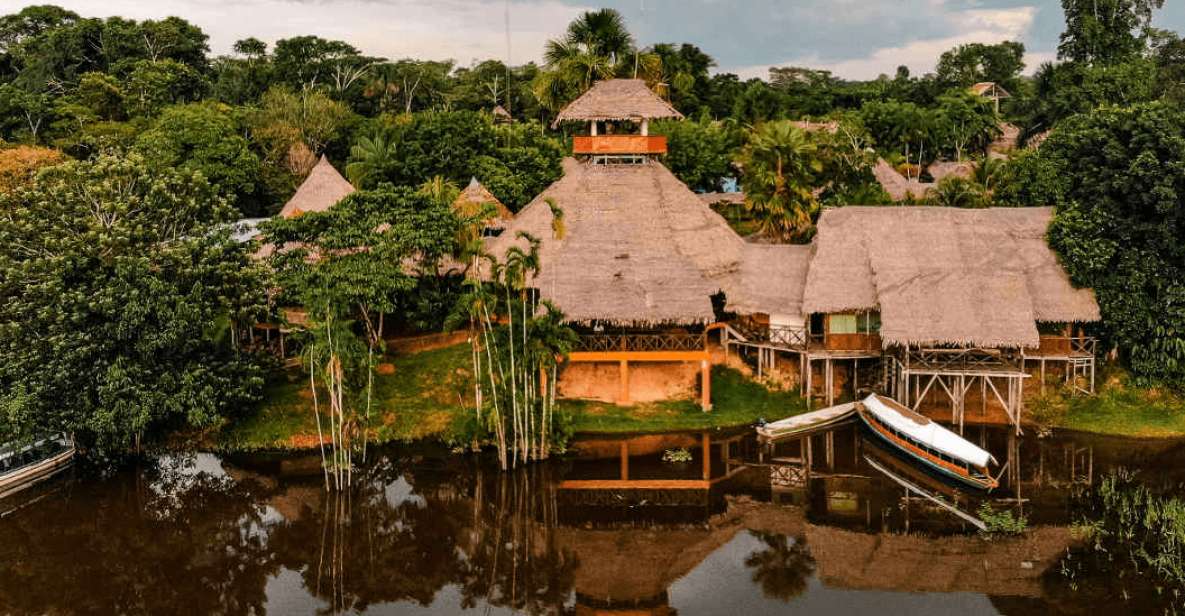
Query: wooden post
x,y
807,391
625,460
623,395
707,449
1042,375
705,370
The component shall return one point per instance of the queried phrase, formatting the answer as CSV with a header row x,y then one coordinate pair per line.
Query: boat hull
x,y
31,475
912,452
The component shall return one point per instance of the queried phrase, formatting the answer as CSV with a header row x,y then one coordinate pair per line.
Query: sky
x,y
855,39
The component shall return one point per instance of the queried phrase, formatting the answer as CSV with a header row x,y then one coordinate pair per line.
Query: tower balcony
x,y
619,144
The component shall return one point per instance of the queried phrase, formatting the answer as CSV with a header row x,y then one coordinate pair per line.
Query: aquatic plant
x,y
1001,522
1134,535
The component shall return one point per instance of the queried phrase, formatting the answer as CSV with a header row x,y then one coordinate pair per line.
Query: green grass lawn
x,y
1123,410
422,399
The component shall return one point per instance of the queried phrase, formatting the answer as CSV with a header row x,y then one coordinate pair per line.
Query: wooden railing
x,y
620,144
641,342
1068,345
784,336
959,360
852,342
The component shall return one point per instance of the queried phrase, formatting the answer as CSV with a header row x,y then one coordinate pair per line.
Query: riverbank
x,y
428,396
1120,409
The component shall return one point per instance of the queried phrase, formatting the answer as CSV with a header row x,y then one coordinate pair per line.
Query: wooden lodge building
x,y
944,309
947,310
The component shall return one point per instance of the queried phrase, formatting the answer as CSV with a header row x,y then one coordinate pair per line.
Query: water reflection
x,y
611,529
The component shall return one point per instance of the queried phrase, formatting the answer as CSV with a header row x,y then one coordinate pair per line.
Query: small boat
x,y
923,440
22,465
807,422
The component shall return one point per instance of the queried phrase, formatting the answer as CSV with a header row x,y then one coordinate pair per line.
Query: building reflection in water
x,y
607,530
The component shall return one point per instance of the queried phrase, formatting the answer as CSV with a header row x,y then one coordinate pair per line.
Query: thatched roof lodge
x,y
944,276
637,260
321,190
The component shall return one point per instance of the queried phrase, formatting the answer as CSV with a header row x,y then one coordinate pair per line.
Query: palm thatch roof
x,y
321,190
944,275
989,89
731,198
771,279
895,184
944,168
638,247
616,100
475,196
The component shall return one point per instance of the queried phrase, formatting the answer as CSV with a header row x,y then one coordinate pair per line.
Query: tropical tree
x,y
1119,226
516,344
700,152
596,45
372,158
350,267
113,276
955,191
207,138
1105,31
781,165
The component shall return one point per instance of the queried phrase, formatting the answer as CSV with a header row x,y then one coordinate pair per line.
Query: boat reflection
x,y
820,521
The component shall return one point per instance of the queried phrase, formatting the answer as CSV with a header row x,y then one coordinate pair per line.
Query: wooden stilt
x,y
625,460
706,385
707,449
623,394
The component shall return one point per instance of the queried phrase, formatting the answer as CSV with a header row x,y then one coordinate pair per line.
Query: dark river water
x,y
594,533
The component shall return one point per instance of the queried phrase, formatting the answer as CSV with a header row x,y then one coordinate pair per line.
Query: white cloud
x,y
970,26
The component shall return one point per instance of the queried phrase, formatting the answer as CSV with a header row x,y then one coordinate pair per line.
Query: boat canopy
x,y
924,431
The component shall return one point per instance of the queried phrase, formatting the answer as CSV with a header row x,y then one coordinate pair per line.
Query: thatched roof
x,y
944,168
1008,140
474,197
639,248
989,89
771,279
733,198
811,127
944,275
321,190
895,184
617,99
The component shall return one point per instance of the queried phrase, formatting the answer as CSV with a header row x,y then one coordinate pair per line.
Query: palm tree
x,y
988,172
954,191
781,165
603,33
596,46
370,158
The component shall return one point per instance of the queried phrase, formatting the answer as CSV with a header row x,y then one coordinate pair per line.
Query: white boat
x,y
22,465
799,424
927,442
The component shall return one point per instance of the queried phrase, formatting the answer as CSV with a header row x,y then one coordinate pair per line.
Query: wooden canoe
x,y
923,440
48,455
807,422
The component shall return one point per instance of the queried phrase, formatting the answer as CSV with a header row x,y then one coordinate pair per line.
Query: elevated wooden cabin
x,y
944,301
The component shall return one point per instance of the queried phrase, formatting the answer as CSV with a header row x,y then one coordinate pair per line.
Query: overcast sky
x,y
853,38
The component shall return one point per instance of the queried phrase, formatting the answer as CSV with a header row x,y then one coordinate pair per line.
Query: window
x,y
864,323
841,324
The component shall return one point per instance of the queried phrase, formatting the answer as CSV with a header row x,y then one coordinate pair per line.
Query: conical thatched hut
x,y
617,100
474,198
321,190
